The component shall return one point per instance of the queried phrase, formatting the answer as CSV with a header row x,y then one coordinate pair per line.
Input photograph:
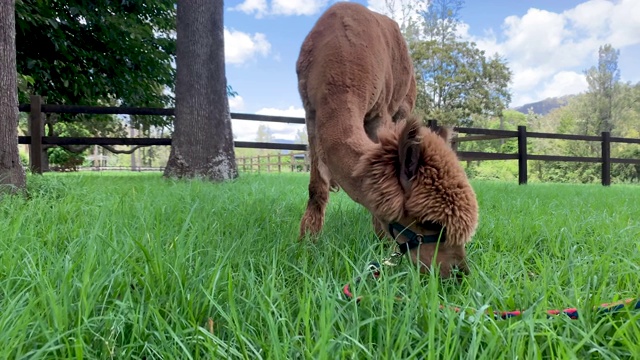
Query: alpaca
x,y
358,89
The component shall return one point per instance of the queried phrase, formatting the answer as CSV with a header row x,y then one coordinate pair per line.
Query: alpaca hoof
x,y
309,226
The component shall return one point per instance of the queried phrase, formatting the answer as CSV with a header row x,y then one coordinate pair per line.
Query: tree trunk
x,y
202,143
12,175
501,128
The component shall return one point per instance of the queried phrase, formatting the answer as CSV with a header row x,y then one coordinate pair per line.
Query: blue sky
x,y
546,43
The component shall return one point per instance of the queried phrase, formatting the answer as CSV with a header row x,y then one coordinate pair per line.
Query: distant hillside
x,y
283,141
545,106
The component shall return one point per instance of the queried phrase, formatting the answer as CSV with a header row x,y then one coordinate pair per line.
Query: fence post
x,y
606,158
522,155
432,124
35,131
268,163
280,162
454,142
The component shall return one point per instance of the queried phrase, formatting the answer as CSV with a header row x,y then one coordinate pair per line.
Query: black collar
x,y
414,240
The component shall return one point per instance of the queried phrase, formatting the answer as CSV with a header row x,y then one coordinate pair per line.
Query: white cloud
x,y
291,111
251,6
527,78
241,47
281,7
297,7
591,16
547,51
236,103
536,36
625,23
563,83
246,130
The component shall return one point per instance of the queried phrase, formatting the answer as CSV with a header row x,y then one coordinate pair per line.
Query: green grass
x,y
131,266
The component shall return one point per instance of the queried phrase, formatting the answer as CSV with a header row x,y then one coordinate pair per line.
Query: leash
x,y
374,268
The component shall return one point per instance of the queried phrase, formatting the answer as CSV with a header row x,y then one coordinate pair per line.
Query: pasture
x,y
131,266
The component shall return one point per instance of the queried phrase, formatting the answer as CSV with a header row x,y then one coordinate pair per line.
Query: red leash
x,y
634,304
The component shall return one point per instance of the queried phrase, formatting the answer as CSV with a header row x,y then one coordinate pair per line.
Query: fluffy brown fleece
x,y
354,76
438,191
357,85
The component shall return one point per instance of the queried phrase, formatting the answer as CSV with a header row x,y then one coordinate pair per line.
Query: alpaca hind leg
x,y
319,185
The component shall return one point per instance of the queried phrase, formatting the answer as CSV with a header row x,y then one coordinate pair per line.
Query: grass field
x,y
130,266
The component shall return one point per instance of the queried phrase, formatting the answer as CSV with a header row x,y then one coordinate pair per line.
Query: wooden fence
x,y
118,168
292,162
37,141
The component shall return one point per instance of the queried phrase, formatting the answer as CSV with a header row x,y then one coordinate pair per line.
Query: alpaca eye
x,y
429,225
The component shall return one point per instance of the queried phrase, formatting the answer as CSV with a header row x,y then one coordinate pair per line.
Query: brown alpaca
x,y
356,81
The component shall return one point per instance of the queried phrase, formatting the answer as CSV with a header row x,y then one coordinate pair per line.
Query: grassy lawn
x,y
130,266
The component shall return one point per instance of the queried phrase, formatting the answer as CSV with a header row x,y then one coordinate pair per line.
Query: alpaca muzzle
x,y
413,241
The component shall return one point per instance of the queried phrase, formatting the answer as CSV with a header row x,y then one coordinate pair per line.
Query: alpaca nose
x,y
460,271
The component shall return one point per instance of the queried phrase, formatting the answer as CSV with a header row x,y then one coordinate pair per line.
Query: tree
x,y
264,134
85,53
12,175
96,53
404,12
202,144
455,79
301,136
602,82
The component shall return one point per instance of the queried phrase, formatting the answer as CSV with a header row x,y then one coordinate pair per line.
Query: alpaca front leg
x,y
378,228
313,218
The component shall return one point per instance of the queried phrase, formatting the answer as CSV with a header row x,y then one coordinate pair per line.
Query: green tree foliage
x,y
456,80
504,170
98,52
602,80
111,53
264,133
301,136
608,104
576,118
460,85
60,156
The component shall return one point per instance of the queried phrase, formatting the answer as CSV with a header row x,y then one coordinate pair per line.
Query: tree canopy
x,y
98,52
456,80
602,80
608,105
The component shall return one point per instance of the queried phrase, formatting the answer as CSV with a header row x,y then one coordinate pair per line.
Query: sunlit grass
x,y
132,266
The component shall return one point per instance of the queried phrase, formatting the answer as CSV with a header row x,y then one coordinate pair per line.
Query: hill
x,y
545,106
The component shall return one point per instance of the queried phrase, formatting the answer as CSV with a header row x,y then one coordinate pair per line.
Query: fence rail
x,y
116,168
36,149
122,110
293,162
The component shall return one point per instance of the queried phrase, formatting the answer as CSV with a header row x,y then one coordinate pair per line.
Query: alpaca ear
x,y
409,151
445,133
